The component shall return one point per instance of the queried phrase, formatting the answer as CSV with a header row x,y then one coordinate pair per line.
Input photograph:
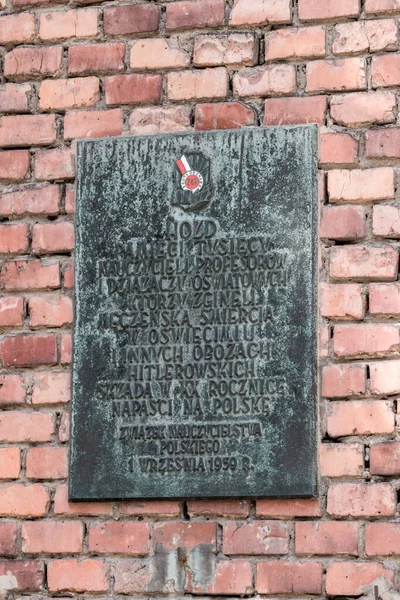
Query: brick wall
x,y
99,69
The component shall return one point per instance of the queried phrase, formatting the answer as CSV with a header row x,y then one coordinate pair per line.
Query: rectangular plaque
x,y
195,328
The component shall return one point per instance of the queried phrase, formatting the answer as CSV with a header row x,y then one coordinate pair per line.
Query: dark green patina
x,y
194,368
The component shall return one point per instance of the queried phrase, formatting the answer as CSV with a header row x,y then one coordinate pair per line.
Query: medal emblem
x,y
193,179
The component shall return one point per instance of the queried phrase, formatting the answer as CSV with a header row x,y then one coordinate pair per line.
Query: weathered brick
x,y
324,10
22,575
15,97
360,417
11,310
258,537
385,70
284,577
10,466
361,185
36,200
18,500
75,23
61,94
48,238
385,458
121,538
342,301
14,165
204,84
92,123
47,463
12,389
69,209
232,578
17,426
52,537
337,148
66,348
174,534
33,62
225,115
29,275
342,381
365,36
385,377
326,537
27,130
72,575
63,507
382,539
220,508
296,110
377,7
361,500
133,89
131,19
64,427
383,143
50,311
341,460
26,350
8,531
157,119
385,221
17,29
349,578
14,239
336,75
159,53
234,49
96,58
384,299
364,108
195,13
364,263
295,43
288,508
159,508
343,223
51,388
367,339
265,81
258,12
58,163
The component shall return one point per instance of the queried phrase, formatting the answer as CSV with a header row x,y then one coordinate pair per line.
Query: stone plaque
x,y
194,368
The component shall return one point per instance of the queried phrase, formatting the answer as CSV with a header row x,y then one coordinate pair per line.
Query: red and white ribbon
x,y
183,164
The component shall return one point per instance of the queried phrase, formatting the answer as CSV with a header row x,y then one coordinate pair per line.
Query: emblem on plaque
x,y
193,182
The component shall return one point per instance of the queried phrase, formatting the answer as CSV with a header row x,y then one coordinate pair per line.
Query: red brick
x,y
51,311
326,537
257,537
385,378
158,53
383,143
364,263
23,575
43,199
295,43
131,19
349,578
96,58
324,339
29,274
231,578
71,575
61,94
382,539
226,115
265,81
157,119
14,165
51,388
220,508
195,13
385,70
284,577
47,463
27,130
33,63
342,301
8,535
361,185
288,508
15,97
58,163
63,507
234,49
12,389
75,23
159,508
69,209
293,111
324,10
140,576
16,426
203,84
360,417
385,458
341,460
364,108
68,274
385,221
173,534
343,381
17,29
52,537
336,75
64,427
10,466
66,348
384,299
27,3
18,500
365,36
361,500
14,238
337,148
92,123
343,223
365,340
121,538
52,237
11,310
258,12
133,89
377,7
27,350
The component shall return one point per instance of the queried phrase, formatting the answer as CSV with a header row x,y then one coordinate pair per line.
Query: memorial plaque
x,y
194,367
